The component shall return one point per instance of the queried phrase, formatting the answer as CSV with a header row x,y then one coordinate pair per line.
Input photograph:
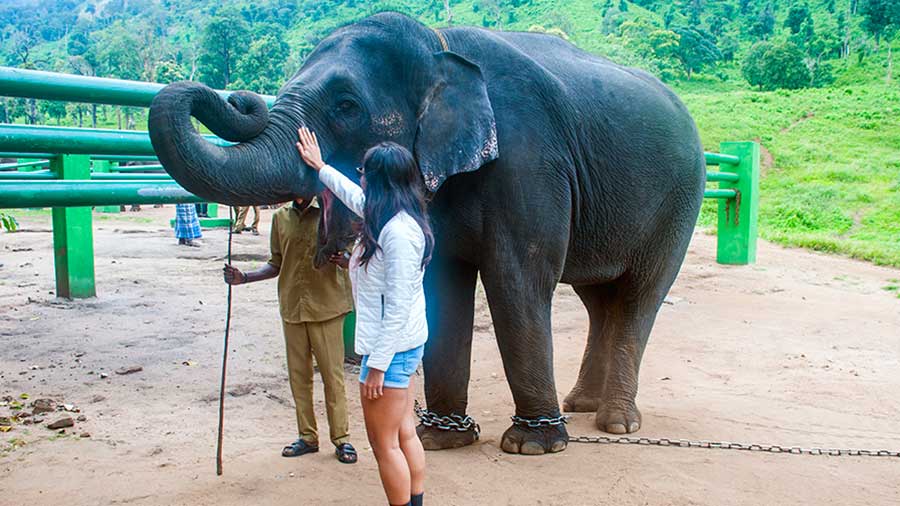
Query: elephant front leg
x,y
450,289
520,308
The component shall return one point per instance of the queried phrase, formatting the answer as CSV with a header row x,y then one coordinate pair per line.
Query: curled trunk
x,y
262,168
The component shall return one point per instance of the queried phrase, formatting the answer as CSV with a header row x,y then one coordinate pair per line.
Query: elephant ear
x,y
456,129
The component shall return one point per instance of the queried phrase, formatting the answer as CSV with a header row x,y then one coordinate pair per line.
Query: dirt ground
x,y
799,349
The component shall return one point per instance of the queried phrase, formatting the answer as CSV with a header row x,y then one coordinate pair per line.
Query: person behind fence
x,y
187,226
387,269
313,303
241,220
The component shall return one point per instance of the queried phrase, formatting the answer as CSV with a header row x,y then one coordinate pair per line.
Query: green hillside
x,y
829,122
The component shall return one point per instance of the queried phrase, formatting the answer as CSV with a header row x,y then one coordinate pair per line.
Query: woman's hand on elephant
x,y
309,148
233,276
373,387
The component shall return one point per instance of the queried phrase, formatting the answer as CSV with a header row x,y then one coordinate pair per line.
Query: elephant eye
x,y
346,105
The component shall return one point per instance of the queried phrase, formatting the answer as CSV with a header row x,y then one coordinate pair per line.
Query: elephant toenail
x,y
509,446
634,427
558,446
616,428
531,448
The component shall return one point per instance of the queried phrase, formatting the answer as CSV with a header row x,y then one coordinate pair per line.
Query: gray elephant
x,y
545,165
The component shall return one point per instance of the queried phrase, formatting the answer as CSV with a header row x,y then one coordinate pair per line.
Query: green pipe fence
x,y
719,194
24,165
71,88
92,193
46,175
81,141
137,168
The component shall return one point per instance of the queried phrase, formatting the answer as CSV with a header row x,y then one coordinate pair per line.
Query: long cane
x,y
224,358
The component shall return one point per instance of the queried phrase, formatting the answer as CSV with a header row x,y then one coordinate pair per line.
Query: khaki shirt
x,y
305,294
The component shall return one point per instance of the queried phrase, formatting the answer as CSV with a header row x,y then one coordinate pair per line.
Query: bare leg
x,y
411,445
384,417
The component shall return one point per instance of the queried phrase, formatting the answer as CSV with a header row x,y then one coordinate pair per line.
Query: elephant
x,y
544,164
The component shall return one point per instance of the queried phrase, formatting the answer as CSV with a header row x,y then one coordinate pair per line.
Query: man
x,y
240,221
187,226
313,303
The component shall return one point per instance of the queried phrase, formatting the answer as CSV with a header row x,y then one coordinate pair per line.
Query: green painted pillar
x,y
738,217
73,237
350,336
212,210
103,167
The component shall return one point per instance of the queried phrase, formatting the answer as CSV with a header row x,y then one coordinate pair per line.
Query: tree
x,y
764,25
54,109
797,16
225,39
696,49
879,17
753,68
261,69
21,41
773,66
169,71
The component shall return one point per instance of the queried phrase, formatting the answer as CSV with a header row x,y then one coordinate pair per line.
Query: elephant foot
x,y
436,439
535,440
620,417
580,403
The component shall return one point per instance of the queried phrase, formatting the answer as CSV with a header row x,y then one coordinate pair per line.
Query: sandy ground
x,y
800,349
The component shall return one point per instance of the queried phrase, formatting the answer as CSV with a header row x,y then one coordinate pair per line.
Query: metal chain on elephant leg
x,y
451,422
541,421
725,445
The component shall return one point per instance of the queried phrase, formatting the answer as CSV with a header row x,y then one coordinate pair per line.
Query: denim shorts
x,y
402,367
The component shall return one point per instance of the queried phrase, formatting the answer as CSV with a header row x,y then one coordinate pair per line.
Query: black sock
x,y
416,500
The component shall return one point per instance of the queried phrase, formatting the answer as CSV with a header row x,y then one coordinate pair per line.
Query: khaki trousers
x,y
325,342
241,219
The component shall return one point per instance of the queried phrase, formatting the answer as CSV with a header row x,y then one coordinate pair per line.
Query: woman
x,y
386,271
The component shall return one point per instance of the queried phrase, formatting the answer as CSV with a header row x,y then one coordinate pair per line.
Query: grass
x,y
832,181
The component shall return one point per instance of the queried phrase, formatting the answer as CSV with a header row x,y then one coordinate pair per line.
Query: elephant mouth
x,y
335,230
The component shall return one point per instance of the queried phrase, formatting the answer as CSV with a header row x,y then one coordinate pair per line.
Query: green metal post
x,y
103,167
73,238
350,336
738,216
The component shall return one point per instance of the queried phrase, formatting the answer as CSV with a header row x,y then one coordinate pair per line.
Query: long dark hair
x,y
393,184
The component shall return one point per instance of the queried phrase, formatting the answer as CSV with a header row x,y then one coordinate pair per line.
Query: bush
x,y
777,66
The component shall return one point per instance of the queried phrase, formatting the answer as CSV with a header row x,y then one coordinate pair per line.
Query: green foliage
x,y
226,38
797,17
696,49
880,16
9,222
764,24
261,69
772,66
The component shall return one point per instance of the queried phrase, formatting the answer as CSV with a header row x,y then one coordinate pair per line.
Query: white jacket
x,y
388,293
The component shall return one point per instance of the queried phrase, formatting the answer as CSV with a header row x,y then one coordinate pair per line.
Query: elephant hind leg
x,y
599,300
622,316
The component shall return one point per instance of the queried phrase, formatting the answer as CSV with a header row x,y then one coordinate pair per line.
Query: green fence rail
x,y
92,193
71,88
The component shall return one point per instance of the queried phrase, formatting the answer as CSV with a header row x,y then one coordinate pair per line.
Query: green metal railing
x,y
71,88
93,193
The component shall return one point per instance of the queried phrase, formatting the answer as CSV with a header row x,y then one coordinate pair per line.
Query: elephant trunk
x,y
263,168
